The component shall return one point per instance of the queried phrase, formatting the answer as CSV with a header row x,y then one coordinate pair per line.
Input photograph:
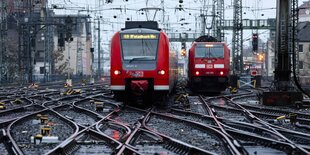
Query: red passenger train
x,y
208,65
142,63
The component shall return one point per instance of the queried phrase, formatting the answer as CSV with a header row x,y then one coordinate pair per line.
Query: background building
x,y
303,47
30,38
304,52
304,12
73,55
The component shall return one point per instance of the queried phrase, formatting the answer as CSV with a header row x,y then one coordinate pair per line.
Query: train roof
x,y
206,38
139,30
141,24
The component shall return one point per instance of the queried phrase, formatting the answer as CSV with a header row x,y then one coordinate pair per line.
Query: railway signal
x,y
260,57
68,25
255,41
183,49
183,52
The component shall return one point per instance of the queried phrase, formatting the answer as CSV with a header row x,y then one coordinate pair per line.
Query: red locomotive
x,y
142,63
208,65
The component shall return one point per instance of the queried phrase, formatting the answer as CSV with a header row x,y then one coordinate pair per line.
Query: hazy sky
x,y
114,14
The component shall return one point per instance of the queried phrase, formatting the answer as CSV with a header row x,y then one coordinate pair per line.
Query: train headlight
x,y
161,72
197,73
221,73
117,72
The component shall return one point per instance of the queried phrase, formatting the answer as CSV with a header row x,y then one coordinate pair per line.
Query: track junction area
x,y
86,119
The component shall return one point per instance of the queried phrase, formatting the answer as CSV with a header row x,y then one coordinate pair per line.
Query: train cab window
x,y
139,47
209,52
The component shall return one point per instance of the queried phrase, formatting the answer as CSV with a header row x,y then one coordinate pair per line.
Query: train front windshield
x,y
139,47
209,51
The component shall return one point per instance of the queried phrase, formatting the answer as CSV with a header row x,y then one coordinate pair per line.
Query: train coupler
x,y
139,87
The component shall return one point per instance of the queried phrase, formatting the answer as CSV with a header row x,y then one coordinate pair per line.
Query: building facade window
x,y
301,48
301,65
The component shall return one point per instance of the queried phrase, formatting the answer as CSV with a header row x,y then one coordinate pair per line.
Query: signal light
x,y
161,72
255,41
253,73
197,73
209,45
183,52
261,57
117,72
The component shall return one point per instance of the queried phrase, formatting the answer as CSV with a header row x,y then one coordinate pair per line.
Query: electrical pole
x,y
163,9
219,20
284,92
3,40
79,55
30,37
99,69
237,47
203,15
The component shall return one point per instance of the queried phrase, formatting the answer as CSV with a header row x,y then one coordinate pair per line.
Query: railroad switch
x,y
44,119
72,91
233,90
37,120
183,99
92,102
34,86
46,130
18,101
68,91
38,137
292,118
99,106
83,82
39,116
2,107
78,91
66,85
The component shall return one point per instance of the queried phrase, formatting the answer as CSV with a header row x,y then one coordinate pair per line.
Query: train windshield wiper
x,y
141,58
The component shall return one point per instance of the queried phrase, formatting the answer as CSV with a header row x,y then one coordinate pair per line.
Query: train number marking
x,y
209,65
136,74
218,65
200,66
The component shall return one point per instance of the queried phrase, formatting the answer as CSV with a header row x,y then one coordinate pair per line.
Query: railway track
x,y
92,122
255,123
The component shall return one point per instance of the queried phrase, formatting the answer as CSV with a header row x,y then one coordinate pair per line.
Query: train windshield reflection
x,y
139,48
209,52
